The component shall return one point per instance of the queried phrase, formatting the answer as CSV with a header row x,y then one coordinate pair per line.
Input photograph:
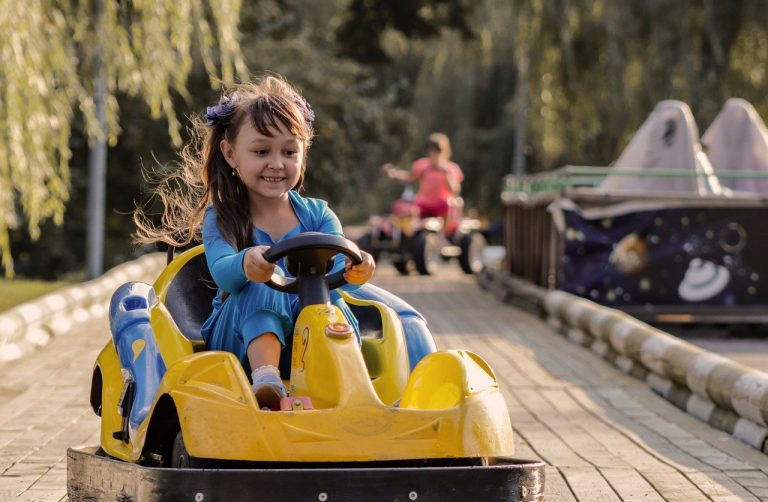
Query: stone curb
x,y
33,324
713,388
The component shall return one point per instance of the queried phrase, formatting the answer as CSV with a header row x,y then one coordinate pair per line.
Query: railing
x,y
715,389
33,324
533,185
534,247
723,393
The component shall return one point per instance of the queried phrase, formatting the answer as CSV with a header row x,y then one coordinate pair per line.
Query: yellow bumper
x,y
445,411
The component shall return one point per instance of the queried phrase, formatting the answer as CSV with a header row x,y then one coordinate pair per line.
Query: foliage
x,y
592,71
359,35
51,51
358,123
570,80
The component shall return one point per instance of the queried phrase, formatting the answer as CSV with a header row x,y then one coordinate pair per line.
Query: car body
x,y
389,403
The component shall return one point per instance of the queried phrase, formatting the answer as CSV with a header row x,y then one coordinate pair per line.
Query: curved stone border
x,y
33,324
713,388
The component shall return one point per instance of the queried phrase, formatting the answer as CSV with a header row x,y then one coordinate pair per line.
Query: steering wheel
x,y
311,254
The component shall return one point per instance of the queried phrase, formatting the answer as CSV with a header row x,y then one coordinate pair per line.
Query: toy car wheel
x,y
471,257
426,252
402,267
366,244
180,457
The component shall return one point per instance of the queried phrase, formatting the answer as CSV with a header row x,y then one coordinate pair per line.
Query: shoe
x,y
268,387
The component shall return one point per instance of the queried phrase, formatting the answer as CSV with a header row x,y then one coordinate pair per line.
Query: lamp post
x,y
97,161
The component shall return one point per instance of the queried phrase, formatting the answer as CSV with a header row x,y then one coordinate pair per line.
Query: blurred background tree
x,y
571,80
48,77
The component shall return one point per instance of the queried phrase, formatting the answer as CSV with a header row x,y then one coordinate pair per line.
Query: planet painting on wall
x,y
630,255
668,256
703,280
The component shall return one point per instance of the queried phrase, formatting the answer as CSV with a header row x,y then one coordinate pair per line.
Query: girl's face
x,y
269,166
433,154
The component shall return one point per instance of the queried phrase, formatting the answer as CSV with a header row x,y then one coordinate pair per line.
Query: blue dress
x,y
253,308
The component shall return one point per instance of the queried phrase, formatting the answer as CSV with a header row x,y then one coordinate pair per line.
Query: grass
x,y
17,291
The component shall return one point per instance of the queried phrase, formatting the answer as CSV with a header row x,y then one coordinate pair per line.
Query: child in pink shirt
x,y
439,179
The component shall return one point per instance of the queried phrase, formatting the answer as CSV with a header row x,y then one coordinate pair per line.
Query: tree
x,y
360,34
49,47
359,124
593,70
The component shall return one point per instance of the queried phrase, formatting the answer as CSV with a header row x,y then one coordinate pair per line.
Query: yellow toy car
x,y
383,421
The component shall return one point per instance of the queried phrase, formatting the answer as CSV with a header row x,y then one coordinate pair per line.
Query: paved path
x,y
605,435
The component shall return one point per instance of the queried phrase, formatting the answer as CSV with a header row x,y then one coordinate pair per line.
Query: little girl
x,y
241,188
439,178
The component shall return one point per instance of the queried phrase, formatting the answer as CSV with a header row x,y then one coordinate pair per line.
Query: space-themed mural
x,y
668,256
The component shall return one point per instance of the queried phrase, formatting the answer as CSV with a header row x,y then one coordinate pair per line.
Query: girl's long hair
x,y
203,176
443,144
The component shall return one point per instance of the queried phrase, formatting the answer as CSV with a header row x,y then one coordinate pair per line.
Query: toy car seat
x,y
189,297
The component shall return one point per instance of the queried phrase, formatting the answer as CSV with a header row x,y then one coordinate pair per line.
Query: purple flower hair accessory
x,y
214,114
309,114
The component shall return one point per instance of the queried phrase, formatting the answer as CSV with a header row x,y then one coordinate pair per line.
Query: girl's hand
x,y
388,169
256,268
360,274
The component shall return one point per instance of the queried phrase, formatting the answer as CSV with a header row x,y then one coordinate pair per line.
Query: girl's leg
x,y
438,210
264,357
264,316
264,350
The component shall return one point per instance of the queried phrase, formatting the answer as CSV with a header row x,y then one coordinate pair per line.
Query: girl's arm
x,y
453,176
399,174
453,182
224,261
356,275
